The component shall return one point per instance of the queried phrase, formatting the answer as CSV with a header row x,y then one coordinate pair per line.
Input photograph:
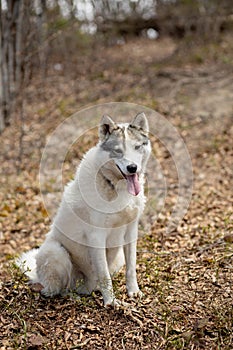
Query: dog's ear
x,y
107,125
140,122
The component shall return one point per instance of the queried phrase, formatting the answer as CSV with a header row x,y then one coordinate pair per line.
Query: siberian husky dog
x,y
96,227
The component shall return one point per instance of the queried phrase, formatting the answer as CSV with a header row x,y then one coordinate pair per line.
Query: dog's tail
x,y
27,264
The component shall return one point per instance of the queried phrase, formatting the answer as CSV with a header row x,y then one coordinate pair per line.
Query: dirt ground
x,y
186,277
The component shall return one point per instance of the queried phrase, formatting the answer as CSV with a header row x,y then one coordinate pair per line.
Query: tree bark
x,y
2,117
11,33
19,45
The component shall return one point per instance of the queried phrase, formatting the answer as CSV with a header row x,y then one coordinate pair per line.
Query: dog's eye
x,y
137,147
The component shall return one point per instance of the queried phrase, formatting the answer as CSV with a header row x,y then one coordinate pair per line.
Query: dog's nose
x,y
132,168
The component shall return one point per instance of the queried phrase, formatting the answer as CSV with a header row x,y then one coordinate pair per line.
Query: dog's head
x,y
128,147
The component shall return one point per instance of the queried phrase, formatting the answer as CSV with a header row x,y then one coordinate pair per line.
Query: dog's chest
x,y
126,215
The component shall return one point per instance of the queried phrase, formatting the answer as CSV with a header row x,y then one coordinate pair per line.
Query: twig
x,y
77,346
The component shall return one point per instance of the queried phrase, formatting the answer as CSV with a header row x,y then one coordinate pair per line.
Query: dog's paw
x,y
115,303
135,293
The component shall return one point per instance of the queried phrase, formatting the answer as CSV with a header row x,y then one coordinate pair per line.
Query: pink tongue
x,y
133,185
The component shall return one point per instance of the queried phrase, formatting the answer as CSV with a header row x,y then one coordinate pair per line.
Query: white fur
x,y
27,264
93,234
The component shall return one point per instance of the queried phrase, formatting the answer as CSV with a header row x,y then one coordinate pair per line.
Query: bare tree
x,y
2,117
23,43
21,39
10,57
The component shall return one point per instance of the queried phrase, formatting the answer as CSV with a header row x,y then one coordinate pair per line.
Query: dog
x,y
95,230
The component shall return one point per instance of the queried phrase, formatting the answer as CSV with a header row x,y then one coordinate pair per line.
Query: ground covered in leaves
x,y
186,276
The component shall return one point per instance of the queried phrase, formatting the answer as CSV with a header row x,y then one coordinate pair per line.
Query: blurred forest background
x,y
175,57
39,36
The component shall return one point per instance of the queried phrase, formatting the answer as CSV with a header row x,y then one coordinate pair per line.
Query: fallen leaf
x,y
37,340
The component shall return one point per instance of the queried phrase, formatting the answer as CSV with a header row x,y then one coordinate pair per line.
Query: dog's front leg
x,y
130,250
102,276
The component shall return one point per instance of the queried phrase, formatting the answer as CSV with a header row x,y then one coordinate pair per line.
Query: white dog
x,y
95,230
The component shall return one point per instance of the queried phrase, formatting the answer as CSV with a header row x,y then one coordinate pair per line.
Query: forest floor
x,y
187,276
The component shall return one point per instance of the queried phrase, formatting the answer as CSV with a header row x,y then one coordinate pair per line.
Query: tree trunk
x,y
19,45
2,117
11,36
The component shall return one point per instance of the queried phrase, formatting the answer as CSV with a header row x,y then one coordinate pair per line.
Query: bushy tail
x,y
27,264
